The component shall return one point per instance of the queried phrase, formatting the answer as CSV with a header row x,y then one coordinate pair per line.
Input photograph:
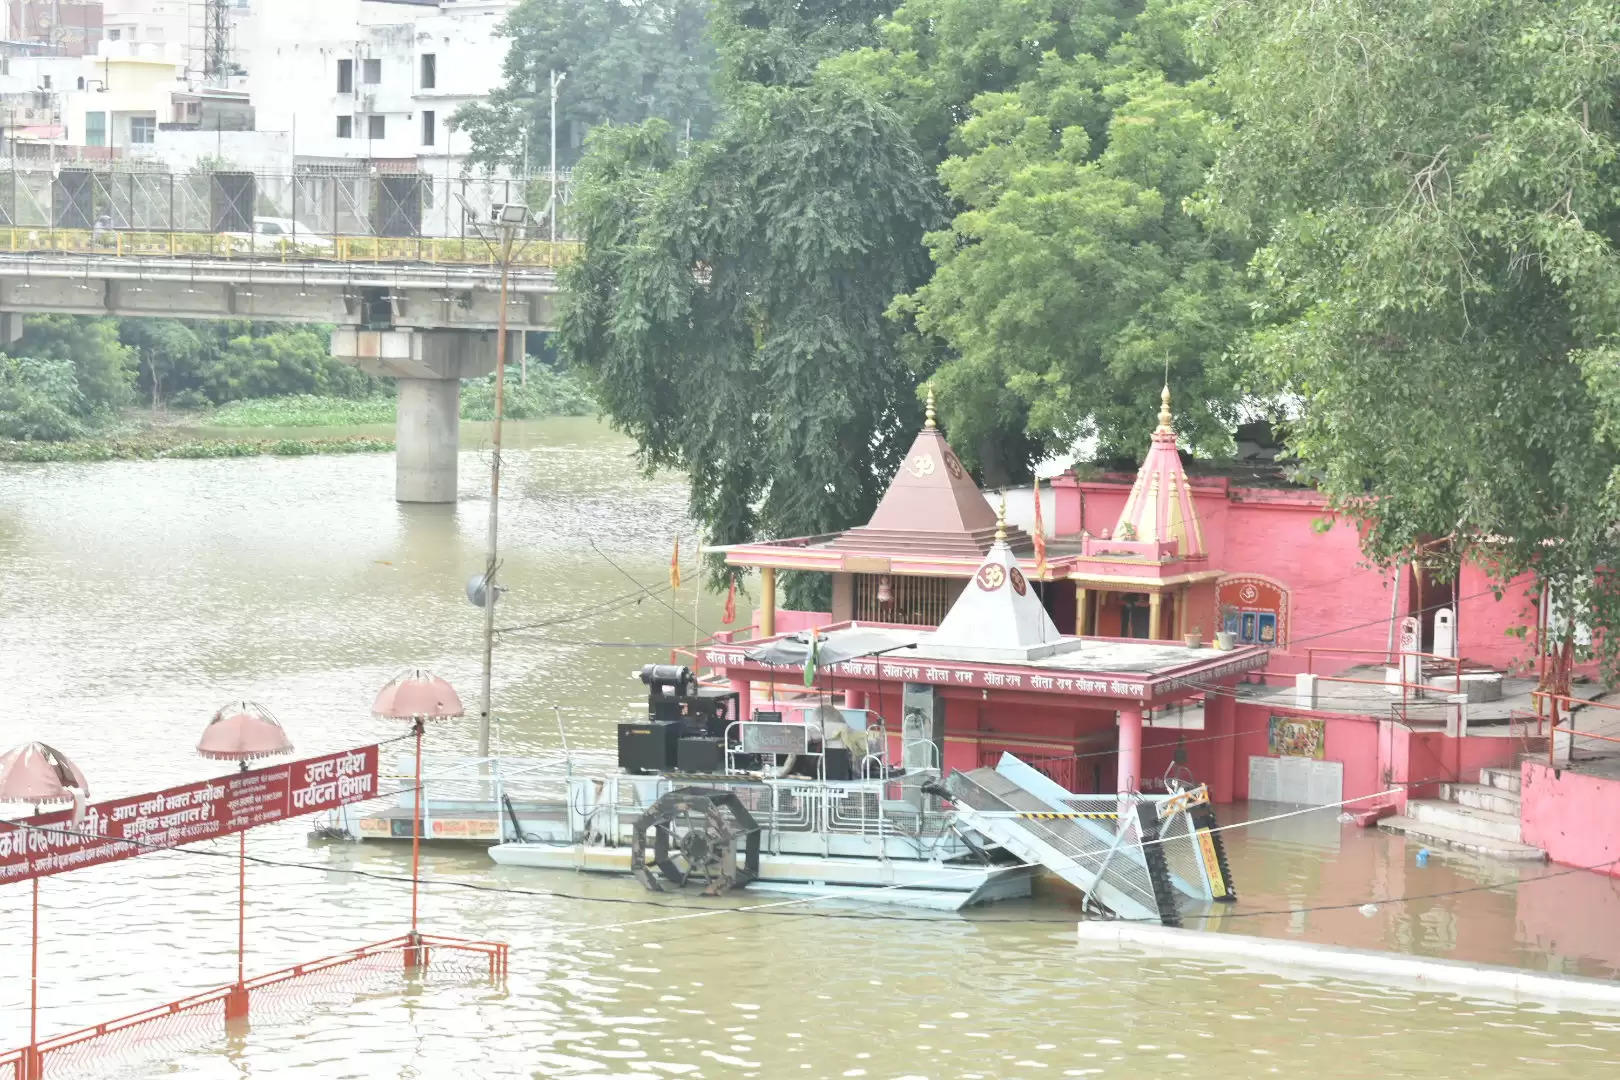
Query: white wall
x,y
292,48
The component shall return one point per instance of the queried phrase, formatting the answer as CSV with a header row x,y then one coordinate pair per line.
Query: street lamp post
x,y
507,219
556,80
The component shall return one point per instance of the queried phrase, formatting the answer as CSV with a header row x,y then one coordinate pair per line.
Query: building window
x,y
371,73
376,128
345,128
81,82
95,129
114,35
345,77
142,129
427,128
44,82
430,71
918,601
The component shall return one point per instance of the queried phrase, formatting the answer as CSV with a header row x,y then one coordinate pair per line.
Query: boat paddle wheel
x,y
695,836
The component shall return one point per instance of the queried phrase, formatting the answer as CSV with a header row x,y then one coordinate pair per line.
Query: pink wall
x,y
1335,602
1571,816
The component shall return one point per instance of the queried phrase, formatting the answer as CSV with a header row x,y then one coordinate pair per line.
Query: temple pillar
x,y
1130,749
854,699
1081,597
745,698
1181,612
767,601
1155,616
1220,727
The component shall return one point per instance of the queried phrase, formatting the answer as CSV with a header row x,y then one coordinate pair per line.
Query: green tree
x,y
270,360
1439,184
729,307
1069,139
39,399
626,61
103,367
169,354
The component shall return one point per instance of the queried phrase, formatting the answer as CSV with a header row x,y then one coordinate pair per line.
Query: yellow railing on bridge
x,y
432,250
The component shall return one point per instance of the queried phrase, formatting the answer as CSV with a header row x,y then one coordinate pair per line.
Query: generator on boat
x,y
686,724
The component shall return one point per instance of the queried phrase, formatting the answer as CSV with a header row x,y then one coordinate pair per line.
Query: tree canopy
x,y
1437,183
625,61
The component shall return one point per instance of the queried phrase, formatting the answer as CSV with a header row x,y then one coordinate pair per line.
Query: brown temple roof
x,y
932,508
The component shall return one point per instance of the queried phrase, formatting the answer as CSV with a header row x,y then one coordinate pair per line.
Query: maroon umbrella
x,y
243,731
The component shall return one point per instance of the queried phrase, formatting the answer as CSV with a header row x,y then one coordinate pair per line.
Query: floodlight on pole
x,y
507,216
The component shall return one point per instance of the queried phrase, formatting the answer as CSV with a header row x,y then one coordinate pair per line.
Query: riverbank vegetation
x,y
1392,228
152,445
75,379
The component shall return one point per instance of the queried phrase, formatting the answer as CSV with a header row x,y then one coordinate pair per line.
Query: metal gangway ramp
x,y
1107,846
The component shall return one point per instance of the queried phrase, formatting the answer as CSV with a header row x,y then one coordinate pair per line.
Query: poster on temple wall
x,y
1297,736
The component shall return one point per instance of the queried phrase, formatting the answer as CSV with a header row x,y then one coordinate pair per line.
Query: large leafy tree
x,y
730,303
625,61
1069,138
1439,185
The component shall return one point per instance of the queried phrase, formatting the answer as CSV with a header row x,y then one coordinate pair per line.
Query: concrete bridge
x,y
421,311
398,260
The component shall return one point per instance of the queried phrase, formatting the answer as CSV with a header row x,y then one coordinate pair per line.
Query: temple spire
x,y
1164,409
1001,520
928,410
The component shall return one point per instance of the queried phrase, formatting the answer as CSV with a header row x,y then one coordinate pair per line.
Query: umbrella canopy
x,y
242,731
36,773
833,648
417,694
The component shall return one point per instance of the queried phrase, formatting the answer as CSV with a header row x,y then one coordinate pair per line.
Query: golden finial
x,y
1164,408
1001,520
928,410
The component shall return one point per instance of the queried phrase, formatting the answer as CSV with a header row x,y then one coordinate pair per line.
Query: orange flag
x,y
1040,534
675,566
730,615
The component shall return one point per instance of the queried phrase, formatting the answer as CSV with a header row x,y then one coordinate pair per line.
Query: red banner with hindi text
x,y
52,843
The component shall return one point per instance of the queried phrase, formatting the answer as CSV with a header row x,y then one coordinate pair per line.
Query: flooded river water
x,y
136,598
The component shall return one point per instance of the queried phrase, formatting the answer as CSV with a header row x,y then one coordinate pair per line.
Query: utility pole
x,y
551,213
507,219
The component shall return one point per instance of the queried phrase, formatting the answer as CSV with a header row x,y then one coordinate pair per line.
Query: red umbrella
x,y
243,731
417,694
36,773
240,732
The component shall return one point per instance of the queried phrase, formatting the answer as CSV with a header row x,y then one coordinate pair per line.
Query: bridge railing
x,y
438,250
313,212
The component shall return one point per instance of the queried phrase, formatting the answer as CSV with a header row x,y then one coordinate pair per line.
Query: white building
x,y
373,79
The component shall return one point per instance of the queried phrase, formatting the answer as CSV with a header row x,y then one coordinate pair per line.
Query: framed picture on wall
x,y
1249,628
1268,628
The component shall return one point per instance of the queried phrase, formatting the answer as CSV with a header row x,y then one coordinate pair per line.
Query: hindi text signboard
x,y
116,829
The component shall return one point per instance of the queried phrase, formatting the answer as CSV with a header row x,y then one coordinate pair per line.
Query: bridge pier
x,y
428,366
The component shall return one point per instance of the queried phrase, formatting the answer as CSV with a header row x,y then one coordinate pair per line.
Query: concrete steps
x,y
1481,818
1482,797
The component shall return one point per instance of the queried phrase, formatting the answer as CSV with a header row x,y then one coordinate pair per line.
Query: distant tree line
x,y
70,374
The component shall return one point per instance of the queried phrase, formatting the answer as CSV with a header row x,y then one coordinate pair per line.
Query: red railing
x,y
1556,701
147,1030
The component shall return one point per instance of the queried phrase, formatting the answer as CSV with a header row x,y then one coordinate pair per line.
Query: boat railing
x,y
786,804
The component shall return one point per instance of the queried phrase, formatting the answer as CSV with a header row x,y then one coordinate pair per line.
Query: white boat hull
x,y
918,883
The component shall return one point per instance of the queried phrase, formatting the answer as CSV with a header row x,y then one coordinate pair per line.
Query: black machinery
x,y
685,728
696,835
